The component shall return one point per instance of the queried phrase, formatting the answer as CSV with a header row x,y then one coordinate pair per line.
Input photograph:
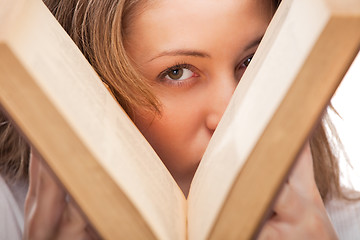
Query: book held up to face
x,y
60,105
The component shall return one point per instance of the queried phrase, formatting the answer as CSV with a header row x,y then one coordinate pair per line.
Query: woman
x,y
173,66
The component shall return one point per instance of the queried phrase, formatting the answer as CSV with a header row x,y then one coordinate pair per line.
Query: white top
x,y
345,215
12,197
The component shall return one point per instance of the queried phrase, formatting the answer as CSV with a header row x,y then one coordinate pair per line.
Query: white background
x,y
347,103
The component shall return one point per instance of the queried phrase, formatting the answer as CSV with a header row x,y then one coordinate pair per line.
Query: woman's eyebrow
x,y
182,52
253,43
193,53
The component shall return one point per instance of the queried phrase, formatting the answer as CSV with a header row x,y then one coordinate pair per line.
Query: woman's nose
x,y
220,93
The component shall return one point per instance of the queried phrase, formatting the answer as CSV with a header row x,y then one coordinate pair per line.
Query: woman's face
x,y
194,53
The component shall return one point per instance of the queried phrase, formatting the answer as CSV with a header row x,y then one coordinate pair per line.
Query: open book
x,y
61,106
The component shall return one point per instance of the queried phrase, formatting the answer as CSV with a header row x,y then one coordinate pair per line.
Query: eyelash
x,y
247,58
163,74
240,69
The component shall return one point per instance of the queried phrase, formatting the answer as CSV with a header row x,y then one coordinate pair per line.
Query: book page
x,y
54,95
277,85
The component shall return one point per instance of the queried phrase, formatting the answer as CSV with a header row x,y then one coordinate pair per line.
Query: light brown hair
x,y
99,30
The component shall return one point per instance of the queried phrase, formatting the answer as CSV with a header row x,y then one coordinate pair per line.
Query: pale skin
x,y
194,61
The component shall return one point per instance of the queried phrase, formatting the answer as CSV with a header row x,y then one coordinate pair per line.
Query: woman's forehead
x,y
165,12
179,23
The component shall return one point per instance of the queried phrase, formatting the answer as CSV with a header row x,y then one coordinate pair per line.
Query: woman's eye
x,y
179,73
240,69
247,61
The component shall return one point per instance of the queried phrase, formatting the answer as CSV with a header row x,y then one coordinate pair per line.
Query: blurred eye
x,y
179,73
247,61
242,67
